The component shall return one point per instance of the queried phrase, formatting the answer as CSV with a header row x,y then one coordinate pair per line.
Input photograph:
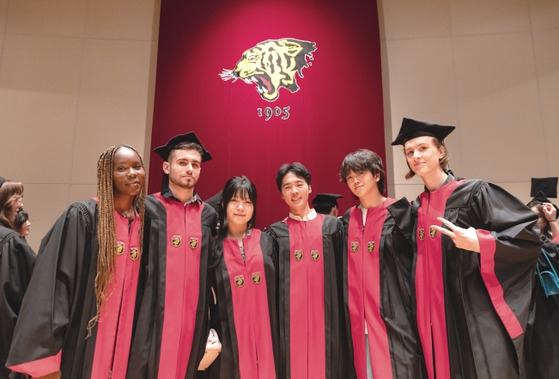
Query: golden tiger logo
x,y
432,232
315,254
119,248
272,64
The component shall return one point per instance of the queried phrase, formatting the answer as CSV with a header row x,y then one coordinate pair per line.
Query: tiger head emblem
x,y
272,64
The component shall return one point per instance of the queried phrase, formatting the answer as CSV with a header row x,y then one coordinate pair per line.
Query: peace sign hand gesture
x,y
463,238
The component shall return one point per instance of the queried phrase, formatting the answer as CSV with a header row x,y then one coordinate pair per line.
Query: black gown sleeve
x,y
60,299
17,260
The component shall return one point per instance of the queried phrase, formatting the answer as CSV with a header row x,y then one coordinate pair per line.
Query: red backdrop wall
x,y
337,109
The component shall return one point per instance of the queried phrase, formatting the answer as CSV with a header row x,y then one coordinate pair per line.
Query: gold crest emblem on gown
x,y
134,253
119,248
239,281
315,254
176,240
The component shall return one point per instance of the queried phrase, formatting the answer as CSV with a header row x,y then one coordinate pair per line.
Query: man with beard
x,y
172,310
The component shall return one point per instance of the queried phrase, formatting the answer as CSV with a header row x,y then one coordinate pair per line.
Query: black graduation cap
x,y
2,180
165,150
413,128
326,199
548,186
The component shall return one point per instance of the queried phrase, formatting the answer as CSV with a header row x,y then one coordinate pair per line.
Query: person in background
x,y
172,324
309,246
542,334
377,266
77,315
16,264
245,283
326,203
11,200
22,223
476,248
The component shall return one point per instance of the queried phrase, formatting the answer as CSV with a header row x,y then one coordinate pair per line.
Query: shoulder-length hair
x,y
239,186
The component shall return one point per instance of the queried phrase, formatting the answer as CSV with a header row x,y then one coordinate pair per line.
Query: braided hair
x,y
106,228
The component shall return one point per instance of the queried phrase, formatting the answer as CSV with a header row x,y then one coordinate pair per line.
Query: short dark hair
x,y
324,208
297,169
237,185
21,218
187,146
363,160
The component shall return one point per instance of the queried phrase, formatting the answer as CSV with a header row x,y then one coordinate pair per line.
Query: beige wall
x,y
77,76
489,67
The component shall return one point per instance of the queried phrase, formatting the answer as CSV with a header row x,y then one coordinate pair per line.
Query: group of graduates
x,y
129,285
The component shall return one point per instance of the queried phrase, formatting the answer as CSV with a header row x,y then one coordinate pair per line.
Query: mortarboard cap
x,y
548,186
165,150
325,199
540,198
413,128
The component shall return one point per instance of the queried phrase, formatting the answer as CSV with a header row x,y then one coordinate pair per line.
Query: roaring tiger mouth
x,y
263,85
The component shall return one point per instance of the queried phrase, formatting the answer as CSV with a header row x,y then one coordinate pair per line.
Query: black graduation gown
x,y
227,364
336,354
542,333
486,295
67,262
395,254
150,305
16,264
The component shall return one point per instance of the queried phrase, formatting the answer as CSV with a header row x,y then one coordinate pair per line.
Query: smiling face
x,y
239,211
295,192
423,156
129,175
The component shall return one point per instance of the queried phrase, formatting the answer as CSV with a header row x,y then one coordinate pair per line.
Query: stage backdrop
x,y
265,82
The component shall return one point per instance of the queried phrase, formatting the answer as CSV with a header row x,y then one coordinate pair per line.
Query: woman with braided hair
x,y
76,318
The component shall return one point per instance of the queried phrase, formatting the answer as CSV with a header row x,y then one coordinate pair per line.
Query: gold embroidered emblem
x,y
421,234
119,248
432,232
298,255
256,278
239,281
134,253
193,242
176,240
354,247
315,254
370,246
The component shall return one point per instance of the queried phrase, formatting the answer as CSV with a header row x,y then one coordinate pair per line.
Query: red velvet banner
x,y
266,82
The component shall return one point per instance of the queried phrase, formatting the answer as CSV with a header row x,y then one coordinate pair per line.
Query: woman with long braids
x,y
76,318
245,288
